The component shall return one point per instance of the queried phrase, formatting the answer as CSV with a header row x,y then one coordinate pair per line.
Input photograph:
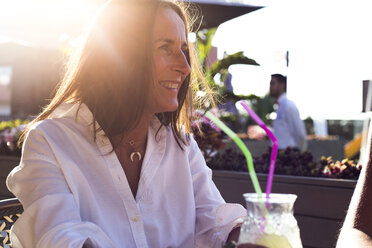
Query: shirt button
x,y
135,218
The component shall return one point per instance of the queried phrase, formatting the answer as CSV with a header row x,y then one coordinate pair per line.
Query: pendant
x,y
133,154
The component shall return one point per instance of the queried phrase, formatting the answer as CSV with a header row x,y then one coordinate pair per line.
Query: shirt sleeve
x,y
51,215
214,217
297,126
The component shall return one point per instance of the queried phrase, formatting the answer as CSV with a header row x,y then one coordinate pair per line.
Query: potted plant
x,y
324,188
10,153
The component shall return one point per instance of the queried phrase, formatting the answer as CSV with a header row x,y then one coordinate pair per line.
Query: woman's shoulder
x,y
61,127
44,126
48,129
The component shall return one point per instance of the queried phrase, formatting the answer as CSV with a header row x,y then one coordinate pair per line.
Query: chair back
x,y
10,210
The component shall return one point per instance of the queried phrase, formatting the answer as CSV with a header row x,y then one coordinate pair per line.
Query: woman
x,y
106,164
356,231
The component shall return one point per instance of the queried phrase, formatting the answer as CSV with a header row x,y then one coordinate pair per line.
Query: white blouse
x,y
75,192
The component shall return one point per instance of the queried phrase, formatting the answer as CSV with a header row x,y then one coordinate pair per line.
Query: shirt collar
x,y
282,98
85,117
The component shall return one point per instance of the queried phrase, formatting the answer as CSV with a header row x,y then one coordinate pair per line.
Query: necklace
x,y
134,153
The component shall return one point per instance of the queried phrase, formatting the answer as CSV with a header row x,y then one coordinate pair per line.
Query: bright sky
x,y
330,53
43,22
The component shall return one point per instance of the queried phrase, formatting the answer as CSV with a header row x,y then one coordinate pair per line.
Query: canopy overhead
x,y
211,13
58,18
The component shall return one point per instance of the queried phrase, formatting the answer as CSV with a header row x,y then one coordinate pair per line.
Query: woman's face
x,y
170,62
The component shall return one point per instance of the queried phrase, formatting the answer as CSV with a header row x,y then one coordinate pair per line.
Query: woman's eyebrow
x,y
169,41
165,40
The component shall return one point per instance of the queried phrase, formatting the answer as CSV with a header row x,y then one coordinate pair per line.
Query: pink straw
x,y
274,150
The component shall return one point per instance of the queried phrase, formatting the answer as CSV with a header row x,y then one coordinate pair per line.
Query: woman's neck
x,y
139,133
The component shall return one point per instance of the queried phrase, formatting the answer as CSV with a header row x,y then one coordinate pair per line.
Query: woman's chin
x,y
168,108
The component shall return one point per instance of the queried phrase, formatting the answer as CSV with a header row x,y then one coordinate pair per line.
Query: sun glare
x,y
38,21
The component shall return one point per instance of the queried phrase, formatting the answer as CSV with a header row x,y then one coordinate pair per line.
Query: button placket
x,y
135,218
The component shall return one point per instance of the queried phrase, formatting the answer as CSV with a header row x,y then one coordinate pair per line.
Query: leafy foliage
x,y
10,131
222,65
6,125
346,168
204,45
229,159
209,139
261,106
290,161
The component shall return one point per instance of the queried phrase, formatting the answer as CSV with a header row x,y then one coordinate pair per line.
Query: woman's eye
x,y
165,49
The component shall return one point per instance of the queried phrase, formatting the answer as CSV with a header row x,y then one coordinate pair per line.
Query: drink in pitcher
x,y
270,222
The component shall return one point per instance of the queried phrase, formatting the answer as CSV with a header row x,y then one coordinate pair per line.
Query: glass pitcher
x,y
270,222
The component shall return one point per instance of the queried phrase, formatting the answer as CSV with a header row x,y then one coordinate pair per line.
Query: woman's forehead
x,y
169,25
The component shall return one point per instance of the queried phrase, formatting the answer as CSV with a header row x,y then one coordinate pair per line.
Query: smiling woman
x,y
171,61
110,161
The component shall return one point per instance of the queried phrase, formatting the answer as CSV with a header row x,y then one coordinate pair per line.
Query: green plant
x,y
228,159
346,168
262,106
209,139
5,125
220,67
10,131
289,161
216,76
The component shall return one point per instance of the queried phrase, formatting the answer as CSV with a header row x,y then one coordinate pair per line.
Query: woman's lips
x,y
170,85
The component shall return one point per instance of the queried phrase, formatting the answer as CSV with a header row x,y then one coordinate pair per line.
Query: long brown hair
x,y
112,71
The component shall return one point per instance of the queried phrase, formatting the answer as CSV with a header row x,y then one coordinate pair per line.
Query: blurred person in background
x,y
110,162
289,129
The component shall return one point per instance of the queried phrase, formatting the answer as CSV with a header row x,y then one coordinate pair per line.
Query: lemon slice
x,y
273,241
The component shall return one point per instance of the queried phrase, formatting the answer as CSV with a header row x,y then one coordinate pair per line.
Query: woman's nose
x,y
182,64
